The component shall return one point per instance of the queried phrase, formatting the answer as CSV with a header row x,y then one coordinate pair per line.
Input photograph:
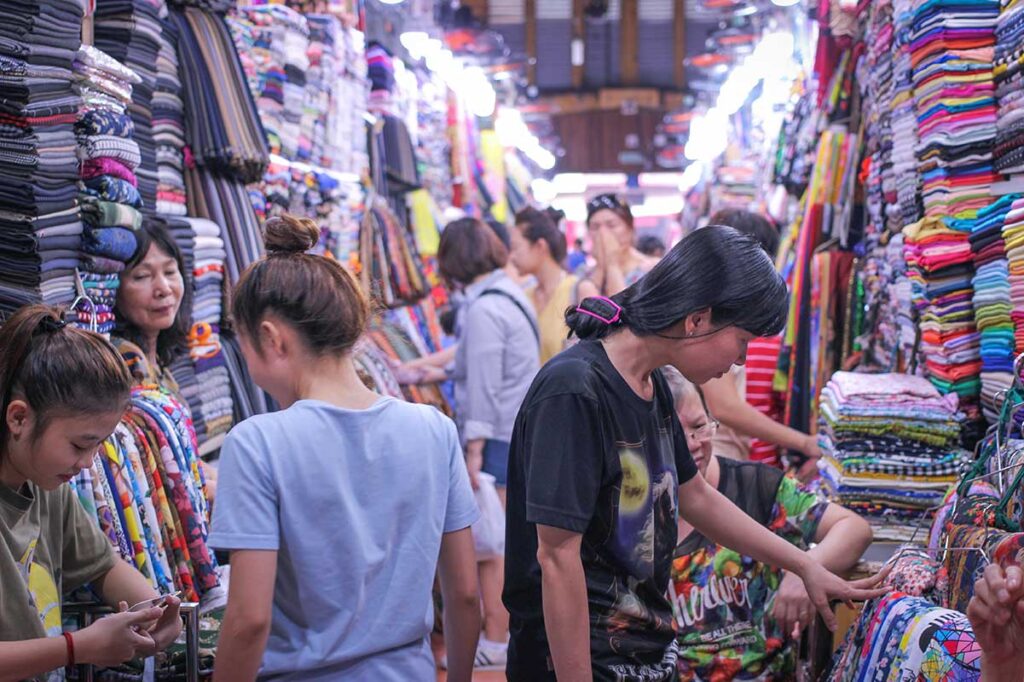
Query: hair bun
x,y
290,234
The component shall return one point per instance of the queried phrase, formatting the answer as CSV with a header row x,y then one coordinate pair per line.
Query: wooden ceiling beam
x,y
679,44
629,57
579,30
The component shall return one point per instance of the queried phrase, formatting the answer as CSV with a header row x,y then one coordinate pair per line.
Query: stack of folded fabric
x,y
992,304
212,406
110,200
130,31
223,132
1013,237
904,119
952,50
1009,149
940,268
263,35
891,446
222,123
40,228
875,74
338,66
169,128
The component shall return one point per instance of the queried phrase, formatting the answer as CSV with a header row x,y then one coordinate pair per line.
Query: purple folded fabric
x,y
106,165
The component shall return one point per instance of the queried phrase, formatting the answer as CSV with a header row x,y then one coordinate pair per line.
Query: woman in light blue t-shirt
x,y
336,509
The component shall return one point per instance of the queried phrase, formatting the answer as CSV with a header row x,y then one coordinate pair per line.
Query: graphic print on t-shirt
x,y
643,528
42,591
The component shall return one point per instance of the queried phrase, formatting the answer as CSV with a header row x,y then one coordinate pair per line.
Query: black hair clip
x,y
51,325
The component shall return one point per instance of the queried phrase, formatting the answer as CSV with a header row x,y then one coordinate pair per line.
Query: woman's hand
x,y
793,610
823,586
112,640
997,613
167,629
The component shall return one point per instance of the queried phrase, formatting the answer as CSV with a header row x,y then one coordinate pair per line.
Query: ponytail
x,y
55,367
719,269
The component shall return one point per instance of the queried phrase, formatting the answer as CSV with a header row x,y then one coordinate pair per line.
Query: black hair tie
x,y
601,308
51,325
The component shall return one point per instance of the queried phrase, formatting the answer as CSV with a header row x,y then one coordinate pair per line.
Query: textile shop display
x,y
952,51
110,200
131,32
940,266
223,127
890,445
210,398
147,493
40,229
992,304
899,637
392,269
1013,239
169,127
1009,145
399,336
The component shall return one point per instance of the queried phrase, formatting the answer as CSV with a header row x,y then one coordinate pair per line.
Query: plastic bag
x,y
489,530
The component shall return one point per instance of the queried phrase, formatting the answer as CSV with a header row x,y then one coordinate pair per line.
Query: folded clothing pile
x,y
952,51
904,120
337,58
222,124
110,199
1013,239
940,266
130,31
275,39
40,228
169,127
211,402
1009,79
992,303
891,447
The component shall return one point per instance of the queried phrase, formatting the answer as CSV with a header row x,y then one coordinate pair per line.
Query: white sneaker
x,y
490,657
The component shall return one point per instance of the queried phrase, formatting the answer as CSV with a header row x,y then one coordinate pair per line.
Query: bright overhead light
x,y
480,96
785,3
392,2
543,190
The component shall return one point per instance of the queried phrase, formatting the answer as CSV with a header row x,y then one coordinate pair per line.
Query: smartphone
x,y
160,601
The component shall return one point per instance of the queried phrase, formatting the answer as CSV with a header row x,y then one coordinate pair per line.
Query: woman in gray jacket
x,y
498,348
497,357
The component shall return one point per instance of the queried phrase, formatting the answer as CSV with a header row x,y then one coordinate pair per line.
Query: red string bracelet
x,y
71,648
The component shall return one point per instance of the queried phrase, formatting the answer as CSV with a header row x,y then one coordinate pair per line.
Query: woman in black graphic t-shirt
x,y
599,469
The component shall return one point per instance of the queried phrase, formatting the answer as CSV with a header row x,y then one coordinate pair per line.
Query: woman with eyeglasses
x,y
618,263
739,618
599,469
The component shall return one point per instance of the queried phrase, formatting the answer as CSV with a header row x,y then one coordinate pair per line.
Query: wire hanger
x,y
83,297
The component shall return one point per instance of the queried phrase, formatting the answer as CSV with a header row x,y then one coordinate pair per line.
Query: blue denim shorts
x,y
496,461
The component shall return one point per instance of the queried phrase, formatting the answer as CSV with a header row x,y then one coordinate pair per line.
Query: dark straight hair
x,y
536,225
719,269
173,341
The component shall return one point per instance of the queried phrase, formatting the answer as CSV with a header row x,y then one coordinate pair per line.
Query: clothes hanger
x,y
83,297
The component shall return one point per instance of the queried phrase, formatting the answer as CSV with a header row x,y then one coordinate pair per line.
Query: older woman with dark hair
x,y
152,311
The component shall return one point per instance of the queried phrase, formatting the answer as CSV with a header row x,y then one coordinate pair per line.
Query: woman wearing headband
x,y
618,263
599,469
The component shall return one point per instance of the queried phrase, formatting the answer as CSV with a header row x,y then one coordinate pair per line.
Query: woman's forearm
x,y
721,521
566,610
1003,672
123,583
29,658
843,546
728,407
